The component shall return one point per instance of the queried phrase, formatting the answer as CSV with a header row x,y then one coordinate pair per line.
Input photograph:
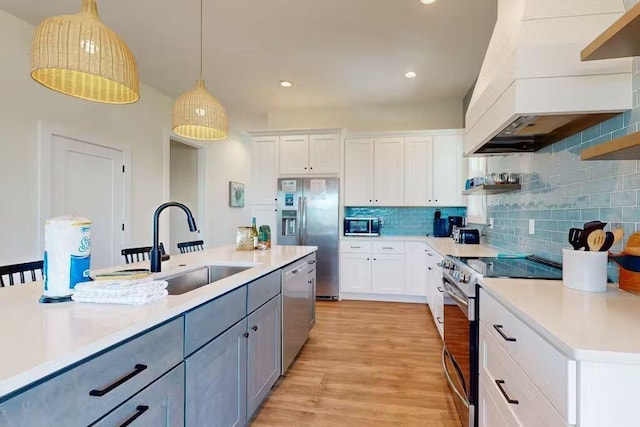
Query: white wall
x,y
228,160
143,127
437,115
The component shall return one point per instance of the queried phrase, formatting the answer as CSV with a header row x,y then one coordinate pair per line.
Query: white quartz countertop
x,y
40,339
444,245
586,326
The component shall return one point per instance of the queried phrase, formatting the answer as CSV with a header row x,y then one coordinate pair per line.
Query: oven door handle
x,y
456,298
449,379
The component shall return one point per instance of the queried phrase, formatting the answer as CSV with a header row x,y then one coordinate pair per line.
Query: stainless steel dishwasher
x,y
297,308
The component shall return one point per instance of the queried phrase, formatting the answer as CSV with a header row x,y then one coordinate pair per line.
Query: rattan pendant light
x,y
196,113
80,56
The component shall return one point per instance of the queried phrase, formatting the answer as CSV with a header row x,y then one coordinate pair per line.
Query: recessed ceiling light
x,y
285,83
427,1
410,74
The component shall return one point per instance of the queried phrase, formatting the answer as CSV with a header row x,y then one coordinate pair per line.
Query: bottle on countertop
x,y
264,241
254,232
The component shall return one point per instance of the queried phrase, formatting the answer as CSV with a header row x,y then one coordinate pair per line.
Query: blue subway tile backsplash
x,y
401,221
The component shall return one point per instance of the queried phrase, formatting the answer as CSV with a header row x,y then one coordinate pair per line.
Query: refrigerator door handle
x,y
299,231
304,221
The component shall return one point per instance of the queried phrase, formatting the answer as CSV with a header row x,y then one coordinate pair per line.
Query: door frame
x,y
202,217
46,131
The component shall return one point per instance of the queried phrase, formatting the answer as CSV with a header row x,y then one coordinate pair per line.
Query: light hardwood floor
x,y
365,364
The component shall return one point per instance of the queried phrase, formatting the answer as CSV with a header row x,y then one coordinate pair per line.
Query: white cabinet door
x,y
389,172
294,154
355,272
358,172
418,172
447,170
265,169
387,273
416,269
324,154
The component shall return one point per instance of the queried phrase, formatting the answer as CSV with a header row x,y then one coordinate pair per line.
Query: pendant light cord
x,y
201,37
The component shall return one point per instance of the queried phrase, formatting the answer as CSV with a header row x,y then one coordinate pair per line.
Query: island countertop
x,y
41,339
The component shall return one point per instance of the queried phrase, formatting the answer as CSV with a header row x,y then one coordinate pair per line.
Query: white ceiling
x,y
338,53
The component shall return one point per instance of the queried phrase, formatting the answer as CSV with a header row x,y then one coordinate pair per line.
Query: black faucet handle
x,y
165,257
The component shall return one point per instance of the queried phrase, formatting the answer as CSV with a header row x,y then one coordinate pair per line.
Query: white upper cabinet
x,y
448,171
418,154
477,203
358,172
309,154
265,169
389,172
294,154
324,154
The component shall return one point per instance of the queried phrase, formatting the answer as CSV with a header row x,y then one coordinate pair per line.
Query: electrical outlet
x,y
491,223
532,226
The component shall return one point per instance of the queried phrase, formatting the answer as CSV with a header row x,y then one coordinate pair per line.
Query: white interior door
x,y
88,180
183,188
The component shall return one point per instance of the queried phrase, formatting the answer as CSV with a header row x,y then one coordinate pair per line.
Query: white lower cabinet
x,y
529,381
415,263
434,289
372,268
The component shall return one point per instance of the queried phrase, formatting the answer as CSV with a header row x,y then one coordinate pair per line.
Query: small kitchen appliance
x,y
469,236
455,221
357,226
440,228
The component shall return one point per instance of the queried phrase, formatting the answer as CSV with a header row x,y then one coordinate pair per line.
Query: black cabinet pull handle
x,y
137,369
313,261
504,393
440,289
502,334
140,409
439,320
255,328
246,335
429,253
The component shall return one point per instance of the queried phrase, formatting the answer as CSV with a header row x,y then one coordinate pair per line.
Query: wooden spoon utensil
x,y
596,239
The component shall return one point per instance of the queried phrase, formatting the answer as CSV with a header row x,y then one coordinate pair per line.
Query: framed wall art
x,y
236,194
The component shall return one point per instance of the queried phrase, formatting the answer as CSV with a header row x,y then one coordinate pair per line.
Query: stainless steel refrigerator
x,y
308,214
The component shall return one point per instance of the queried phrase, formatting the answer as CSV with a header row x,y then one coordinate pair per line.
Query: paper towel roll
x,y
67,254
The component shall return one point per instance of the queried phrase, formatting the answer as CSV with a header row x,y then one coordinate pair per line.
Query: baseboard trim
x,y
383,298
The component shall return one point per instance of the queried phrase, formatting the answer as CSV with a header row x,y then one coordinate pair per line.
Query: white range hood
x,y
533,89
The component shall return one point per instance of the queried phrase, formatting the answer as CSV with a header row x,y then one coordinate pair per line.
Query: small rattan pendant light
x,y
80,56
196,113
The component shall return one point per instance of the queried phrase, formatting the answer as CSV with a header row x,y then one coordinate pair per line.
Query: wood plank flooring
x,y
365,364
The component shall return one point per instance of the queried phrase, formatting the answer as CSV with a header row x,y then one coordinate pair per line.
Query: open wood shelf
x,y
492,189
620,40
624,148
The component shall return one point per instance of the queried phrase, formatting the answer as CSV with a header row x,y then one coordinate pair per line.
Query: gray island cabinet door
x,y
216,381
263,353
159,405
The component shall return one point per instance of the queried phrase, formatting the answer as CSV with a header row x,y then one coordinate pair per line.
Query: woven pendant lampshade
x,y
196,113
79,56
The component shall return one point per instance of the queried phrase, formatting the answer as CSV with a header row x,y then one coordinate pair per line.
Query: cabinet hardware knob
x,y
138,368
305,168
370,200
502,334
439,320
374,259
504,393
367,259
429,268
255,328
246,335
140,409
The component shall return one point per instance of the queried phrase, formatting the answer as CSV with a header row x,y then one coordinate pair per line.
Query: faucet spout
x,y
156,255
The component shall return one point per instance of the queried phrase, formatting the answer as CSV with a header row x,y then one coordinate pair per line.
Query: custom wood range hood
x,y
533,89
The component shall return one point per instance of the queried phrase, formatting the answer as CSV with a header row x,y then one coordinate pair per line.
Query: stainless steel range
x,y
461,277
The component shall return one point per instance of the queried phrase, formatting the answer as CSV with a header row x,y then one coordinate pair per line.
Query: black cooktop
x,y
517,268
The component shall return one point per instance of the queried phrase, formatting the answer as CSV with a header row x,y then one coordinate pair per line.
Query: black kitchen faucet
x,y
156,254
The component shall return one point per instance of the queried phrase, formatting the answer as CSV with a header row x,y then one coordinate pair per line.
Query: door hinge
x,y
123,226
122,168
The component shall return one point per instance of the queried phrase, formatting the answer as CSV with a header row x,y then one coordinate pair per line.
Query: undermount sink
x,y
190,280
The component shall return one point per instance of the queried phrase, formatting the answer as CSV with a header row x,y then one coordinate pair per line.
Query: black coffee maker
x,y
440,228
455,221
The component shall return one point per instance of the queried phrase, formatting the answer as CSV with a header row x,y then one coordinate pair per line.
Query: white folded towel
x,y
136,292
